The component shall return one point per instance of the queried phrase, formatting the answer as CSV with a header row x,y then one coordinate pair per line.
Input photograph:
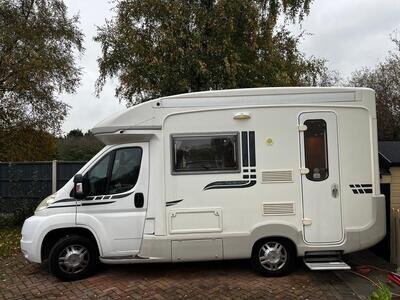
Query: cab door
x,y
319,149
115,205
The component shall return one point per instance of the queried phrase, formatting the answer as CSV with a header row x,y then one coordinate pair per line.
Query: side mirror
x,y
79,193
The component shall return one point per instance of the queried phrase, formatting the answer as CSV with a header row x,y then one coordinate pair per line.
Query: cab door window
x,y
96,179
115,173
125,170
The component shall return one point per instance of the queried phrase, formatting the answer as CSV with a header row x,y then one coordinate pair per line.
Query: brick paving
x,y
217,280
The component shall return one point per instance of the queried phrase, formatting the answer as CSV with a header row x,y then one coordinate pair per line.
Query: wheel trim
x,y
273,256
73,259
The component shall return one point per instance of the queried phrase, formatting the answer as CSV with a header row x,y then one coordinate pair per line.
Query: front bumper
x,y
30,241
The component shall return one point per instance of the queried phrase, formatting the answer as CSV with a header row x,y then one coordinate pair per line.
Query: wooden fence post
x,y
393,236
397,239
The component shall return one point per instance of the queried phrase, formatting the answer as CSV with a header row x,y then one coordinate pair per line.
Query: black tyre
x,y
273,257
73,257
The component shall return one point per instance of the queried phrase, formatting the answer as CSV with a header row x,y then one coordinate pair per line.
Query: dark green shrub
x,y
16,216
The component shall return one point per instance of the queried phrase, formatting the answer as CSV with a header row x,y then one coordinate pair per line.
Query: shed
x,y
389,166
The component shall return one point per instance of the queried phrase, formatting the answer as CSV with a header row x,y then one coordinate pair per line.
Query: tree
x,y
158,48
75,133
385,80
27,144
78,146
37,45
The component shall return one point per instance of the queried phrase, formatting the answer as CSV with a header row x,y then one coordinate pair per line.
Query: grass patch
x,y
9,241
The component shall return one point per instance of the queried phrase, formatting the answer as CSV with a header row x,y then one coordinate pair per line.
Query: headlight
x,y
46,202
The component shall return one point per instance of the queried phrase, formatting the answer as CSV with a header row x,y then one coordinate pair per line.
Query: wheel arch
x,y
276,230
56,234
275,237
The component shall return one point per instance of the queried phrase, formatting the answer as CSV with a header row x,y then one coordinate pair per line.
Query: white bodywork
x,y
182,219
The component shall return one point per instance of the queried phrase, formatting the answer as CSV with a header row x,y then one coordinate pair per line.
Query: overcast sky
x,y
350,34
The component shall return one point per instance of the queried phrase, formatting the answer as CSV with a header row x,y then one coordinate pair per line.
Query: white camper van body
x,y
213,213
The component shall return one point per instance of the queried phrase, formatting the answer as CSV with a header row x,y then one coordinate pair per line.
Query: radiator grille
x,y
272,176
278,209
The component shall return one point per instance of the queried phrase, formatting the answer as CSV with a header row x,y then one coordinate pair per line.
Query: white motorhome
x,y
268,174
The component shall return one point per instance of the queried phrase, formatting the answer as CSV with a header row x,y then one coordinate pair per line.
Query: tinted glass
x,y
316,150
205,153
96,179
125,171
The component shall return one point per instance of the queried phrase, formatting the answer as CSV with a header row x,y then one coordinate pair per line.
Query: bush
x,y
17,216
6,220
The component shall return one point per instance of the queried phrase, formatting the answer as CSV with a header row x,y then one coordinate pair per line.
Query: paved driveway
x,y
217,280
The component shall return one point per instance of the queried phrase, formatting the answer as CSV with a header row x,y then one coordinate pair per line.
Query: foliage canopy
x,y
385,80
24,143
37,61
158,48
78,146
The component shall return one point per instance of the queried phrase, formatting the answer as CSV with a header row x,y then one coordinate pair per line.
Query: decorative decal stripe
x,y
245,149
361,188
248,166
252,150
360,185
97,203
121,195
83,204
65,200
61,206
230,184
96,198
170,203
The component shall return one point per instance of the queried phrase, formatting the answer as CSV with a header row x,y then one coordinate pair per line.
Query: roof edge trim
x,y
113,129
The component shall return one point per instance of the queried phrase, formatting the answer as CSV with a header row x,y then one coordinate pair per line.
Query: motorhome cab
x,y
268,174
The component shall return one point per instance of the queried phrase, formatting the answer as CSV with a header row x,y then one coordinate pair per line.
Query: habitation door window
x,y
116,172
316,150
205,153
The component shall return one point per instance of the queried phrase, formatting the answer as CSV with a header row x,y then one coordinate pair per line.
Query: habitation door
x,y
322,218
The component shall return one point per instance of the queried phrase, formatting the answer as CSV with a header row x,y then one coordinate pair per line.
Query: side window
x,y
125,171
316,150
205,153
96,178
116,172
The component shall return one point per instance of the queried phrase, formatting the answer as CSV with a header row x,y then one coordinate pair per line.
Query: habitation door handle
x,y
335,190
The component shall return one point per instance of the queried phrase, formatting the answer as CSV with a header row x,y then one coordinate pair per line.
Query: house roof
x,y
389,152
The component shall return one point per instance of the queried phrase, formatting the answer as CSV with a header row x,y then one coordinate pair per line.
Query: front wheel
x,y
73,257
273,257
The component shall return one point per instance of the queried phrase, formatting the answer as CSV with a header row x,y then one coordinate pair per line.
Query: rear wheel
x,y
273,257
73,257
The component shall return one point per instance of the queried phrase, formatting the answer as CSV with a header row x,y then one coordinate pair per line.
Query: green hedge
x,y
24,210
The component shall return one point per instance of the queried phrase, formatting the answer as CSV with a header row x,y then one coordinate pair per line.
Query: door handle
x,y
139,200
335,190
